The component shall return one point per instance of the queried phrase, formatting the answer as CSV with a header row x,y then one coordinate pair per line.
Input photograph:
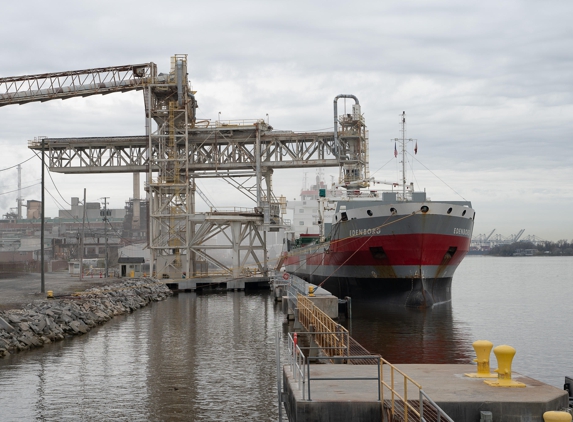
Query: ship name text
x,y
364,232
464,232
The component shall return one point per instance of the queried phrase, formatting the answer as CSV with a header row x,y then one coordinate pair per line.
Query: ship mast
x,y
402,142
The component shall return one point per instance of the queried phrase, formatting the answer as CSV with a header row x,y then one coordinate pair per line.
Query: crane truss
x,y
77,83
212,151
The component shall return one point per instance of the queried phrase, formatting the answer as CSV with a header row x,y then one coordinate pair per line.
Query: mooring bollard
x,y
504,355
557,417
483,352
50,294
310,291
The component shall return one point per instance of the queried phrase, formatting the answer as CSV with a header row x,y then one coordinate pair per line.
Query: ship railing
x,y
330,336
398,397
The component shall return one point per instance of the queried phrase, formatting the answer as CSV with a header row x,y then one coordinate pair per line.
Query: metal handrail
x,y
402,402
308,377
297,361
328,334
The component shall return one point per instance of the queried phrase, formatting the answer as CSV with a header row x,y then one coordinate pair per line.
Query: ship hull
x,y
413,292
393,252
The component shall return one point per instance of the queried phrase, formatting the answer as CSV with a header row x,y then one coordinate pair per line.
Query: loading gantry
x,y
178,148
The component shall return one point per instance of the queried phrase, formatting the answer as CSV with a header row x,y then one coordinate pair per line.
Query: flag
x,y
395,150
416,148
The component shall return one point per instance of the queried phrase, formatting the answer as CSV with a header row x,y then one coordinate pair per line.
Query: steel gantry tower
x,y
178,149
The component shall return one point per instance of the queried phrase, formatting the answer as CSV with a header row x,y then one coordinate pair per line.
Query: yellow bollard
x,y
483,351
50,294
504,355
310,291
557,417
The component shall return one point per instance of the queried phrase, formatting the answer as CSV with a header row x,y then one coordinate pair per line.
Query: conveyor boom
x,y
75,83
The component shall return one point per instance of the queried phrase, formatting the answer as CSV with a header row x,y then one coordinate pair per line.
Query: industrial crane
x,y
177,148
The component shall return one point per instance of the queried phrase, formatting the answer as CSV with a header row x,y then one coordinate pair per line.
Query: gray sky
x,y
487,88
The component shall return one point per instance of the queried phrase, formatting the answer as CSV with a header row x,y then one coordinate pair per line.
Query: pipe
x,y
180,82
336,146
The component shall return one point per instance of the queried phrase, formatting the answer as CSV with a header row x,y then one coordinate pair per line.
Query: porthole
x,y
464,213
450,210
369,213
424,209
393,211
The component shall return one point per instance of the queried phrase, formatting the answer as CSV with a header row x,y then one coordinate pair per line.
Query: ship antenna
x,y
403,154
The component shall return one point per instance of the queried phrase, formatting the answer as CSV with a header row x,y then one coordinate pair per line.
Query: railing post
x,y
279,388
381,369
379,380
422,407
392,384
308,377
406,399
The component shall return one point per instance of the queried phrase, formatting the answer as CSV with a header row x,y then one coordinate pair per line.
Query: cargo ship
x,y
396,246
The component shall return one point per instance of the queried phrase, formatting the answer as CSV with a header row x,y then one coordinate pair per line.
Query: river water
x,y
211,357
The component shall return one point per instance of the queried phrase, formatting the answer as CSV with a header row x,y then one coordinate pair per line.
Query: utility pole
x,y
105,230
19,191
42,277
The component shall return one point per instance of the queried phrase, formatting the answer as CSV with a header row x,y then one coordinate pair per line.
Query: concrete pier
x,y
462,398
230,283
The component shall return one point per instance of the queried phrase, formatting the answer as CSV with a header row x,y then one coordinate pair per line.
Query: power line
x,y
16,165
12,191
54,183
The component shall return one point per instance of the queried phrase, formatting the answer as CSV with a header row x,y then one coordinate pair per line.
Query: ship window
x,y
450,210
369,213
393,211
301,210
424,209
301,223
343,216
464,213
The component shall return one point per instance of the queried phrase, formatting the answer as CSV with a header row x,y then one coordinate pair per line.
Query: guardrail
x,y
330,336
297,361
346,358
399,404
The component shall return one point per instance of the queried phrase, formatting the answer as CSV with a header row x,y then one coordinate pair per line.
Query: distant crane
x,y
518,235
487,238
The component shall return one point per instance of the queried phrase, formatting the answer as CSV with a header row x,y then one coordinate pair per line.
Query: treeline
x,y
559,248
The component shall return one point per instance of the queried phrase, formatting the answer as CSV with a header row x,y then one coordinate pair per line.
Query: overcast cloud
x,y
487,87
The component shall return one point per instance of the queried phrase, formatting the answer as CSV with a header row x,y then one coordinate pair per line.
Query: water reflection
x,y
192,357
406,335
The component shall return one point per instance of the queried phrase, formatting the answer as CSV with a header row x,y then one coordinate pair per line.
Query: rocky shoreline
x,y
55,319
